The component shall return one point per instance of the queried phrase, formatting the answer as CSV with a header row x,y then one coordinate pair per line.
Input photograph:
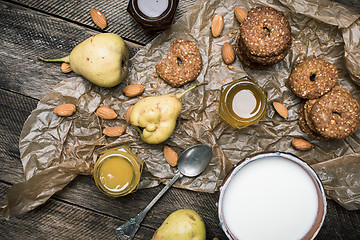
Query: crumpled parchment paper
x,y
55,150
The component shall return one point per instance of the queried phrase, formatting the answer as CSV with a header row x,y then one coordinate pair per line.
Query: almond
x,y
133,90
65,110
281,109
228,53
170,156
98,18
240,14
301,144
106,113
65,67
217,25
127,117
231,67
113,131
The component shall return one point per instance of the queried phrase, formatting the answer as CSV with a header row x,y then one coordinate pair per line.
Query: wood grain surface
x,y
80,211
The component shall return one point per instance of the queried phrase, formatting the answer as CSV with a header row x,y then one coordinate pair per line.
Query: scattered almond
x,y
240,14
301,144
281,109
228,53
231,67
65,110
98,18
155,74
127,117
217,25
65,67
170,156
113,131
106,113
133,90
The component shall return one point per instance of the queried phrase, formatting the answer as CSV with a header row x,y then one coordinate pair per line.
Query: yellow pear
x,y
102,59
183,224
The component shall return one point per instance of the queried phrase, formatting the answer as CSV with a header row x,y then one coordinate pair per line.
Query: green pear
x,y
183,224
102,59
156,116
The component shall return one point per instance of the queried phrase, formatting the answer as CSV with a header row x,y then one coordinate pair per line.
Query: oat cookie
x,y
262,61
182,64
265,32
313,78
307,108
244,59
336,115
264,38
305,127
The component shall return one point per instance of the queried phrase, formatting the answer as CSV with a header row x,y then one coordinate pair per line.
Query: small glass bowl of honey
x,y
117,171
242,103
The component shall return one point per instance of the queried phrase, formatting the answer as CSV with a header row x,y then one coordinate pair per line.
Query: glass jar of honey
x,y
153,15
242,103
117,171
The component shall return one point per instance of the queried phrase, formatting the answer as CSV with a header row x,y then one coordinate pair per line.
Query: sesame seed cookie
x,y
336,115
307,108
266,32
175,72
305,127
264,38
263,61
313,78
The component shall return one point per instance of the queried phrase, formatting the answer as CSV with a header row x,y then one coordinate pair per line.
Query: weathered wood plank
x,y
60,220
28,35
119,20
14,109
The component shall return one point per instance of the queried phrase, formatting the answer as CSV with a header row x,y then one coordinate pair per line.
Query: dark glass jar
x,y
153,15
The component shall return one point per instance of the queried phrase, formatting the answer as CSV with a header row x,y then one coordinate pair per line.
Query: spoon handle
x,y
129,228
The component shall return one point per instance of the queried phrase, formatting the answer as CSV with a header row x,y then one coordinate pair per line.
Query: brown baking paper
x,y
54,150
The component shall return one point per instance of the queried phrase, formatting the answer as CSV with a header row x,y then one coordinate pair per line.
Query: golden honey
x,y
117,171
242,103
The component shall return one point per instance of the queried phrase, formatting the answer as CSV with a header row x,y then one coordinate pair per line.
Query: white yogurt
x,y
270,198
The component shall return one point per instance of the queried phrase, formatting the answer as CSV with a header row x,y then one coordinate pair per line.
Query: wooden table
x,y
80,211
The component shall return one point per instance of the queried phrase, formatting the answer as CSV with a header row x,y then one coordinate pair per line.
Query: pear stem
x,y
179,95
64,59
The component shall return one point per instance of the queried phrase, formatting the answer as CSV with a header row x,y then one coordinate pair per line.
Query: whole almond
x,y
98,18
113,131
65,110
65,67
127,117
281,109
106,113
301,144
240,14
170,156
217,25
133,90
228,53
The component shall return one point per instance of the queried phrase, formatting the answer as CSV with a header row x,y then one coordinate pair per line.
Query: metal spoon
x,y
191,163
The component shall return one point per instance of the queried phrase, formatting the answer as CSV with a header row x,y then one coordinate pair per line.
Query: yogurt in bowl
x,y
272,196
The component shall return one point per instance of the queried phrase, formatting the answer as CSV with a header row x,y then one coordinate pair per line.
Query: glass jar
x,y
117,171
242,103
153,15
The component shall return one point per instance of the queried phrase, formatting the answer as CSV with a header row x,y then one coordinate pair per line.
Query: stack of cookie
x,y
329,111
264,38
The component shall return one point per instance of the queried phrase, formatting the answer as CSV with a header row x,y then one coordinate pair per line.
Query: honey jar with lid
x,y
153,15
117,171
242,103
